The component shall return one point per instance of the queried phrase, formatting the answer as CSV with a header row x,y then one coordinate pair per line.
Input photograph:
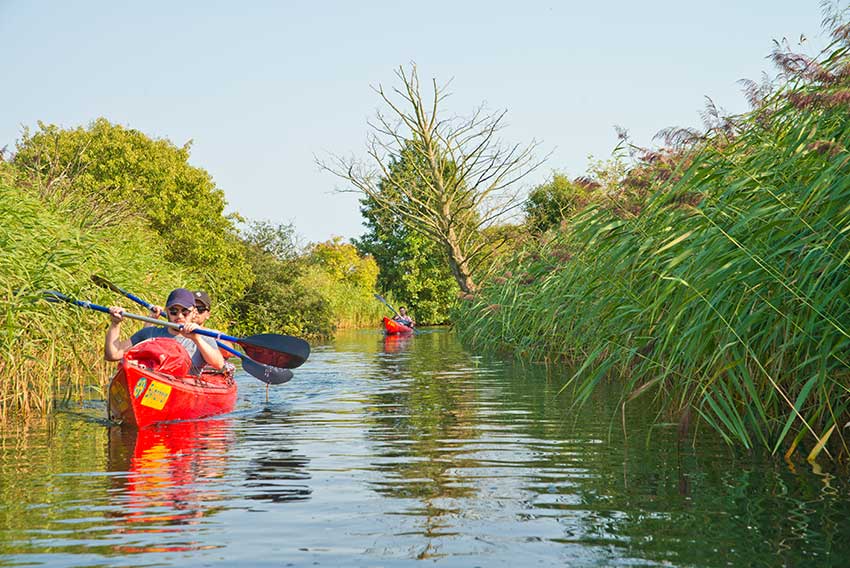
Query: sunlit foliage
x,y
108,173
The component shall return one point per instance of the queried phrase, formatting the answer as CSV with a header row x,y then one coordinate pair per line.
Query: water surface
x,y
403,452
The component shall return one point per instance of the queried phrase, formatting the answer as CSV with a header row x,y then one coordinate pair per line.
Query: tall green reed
x,y
727,292
54,352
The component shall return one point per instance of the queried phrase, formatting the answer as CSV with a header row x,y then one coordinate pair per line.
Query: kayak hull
x,y
392,327
140,396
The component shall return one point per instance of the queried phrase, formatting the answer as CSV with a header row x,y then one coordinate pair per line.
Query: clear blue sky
x,y
263,87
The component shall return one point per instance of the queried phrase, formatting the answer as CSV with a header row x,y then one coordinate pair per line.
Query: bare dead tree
x,y
465,178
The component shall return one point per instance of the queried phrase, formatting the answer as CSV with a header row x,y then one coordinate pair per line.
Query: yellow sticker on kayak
x,y
157,395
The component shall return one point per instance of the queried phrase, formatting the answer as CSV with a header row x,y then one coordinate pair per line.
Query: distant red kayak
x,y
153,385
392,327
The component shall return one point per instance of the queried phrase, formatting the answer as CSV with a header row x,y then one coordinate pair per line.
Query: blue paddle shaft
x,y
177,326
231,350
138,300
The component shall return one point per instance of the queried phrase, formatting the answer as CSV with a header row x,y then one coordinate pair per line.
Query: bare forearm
x,y
113,348
211,353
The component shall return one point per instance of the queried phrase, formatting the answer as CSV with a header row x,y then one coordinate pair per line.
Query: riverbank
x,y
717,283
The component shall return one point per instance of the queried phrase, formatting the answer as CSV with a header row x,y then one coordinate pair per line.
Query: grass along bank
x,y
724,292
51,352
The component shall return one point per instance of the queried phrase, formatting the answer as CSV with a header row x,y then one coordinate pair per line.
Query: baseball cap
x,y
180,297
202,299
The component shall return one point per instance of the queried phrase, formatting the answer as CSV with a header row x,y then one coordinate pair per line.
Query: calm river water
x,y
403,452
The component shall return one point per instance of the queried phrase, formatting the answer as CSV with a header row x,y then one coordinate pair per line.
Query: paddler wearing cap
x,y
180,308
203,307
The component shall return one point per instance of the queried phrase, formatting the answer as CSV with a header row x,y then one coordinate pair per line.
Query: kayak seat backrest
x,y
161,354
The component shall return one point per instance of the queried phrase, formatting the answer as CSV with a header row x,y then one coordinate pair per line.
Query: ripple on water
x,y
393,453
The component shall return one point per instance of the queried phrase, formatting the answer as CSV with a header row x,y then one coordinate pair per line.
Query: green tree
x,y
557,199
343,263
276,300
122,172
279,241
413,268
466,178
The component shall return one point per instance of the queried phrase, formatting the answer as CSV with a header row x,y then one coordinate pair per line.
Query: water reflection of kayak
x,y
396,343
170,483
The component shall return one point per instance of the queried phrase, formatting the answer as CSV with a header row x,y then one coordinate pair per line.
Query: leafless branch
x,y
464,178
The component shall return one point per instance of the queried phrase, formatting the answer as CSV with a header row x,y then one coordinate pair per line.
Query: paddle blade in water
x,y
266,373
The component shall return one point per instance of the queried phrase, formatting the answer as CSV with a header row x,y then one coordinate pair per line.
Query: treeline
x,y
108,200
711,274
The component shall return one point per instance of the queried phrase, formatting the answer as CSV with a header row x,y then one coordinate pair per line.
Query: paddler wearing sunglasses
x,y
180,308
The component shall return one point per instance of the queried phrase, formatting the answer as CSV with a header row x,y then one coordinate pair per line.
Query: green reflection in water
x,y
468,439
462,460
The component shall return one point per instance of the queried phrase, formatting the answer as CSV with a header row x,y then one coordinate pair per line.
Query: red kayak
x,y
393,327
153,385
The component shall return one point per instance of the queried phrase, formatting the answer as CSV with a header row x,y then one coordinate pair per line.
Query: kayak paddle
x,y
282,351
266,373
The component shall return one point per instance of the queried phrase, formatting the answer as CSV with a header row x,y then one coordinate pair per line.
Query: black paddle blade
x,y
266,373
284,351
104,283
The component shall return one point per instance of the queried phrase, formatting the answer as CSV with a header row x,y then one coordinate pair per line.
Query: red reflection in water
x,y
170,486
396,343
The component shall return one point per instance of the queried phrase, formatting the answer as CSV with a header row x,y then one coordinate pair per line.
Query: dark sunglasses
x,y
201,310
175,311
